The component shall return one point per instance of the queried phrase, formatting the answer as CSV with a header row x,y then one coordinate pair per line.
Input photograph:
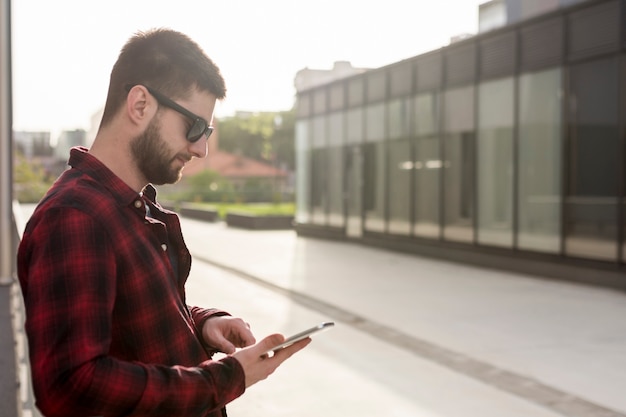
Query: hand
x,y
227,333
258,365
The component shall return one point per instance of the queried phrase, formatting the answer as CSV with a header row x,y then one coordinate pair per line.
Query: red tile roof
x,y
230,165
233,166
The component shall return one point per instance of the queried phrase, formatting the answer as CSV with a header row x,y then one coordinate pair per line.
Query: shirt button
x,y
138,203
164,247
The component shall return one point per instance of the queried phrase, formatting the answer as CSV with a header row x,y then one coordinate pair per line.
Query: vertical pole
x,y
6,150
8,360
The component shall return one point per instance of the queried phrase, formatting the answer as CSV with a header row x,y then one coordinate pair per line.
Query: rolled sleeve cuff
x,y
201,315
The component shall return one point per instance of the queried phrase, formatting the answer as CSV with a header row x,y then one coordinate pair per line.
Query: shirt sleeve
x,y
200,316
66,263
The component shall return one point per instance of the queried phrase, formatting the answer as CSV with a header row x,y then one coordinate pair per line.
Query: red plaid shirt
x,y
108,328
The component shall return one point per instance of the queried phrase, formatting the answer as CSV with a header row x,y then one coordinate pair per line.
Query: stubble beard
x,y
154,157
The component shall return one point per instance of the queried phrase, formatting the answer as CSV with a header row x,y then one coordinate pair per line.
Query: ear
x,y
140,105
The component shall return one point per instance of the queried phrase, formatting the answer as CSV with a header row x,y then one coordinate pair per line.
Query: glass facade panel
x,y
375,122
354,172
374,186
495,162
336,135
354,190
593,184
400,186
355,126
356,92
374,168
427,166
319,171
335,170
539,161
303,173
624,231
335,186
528,166
399,118
458,175
400,167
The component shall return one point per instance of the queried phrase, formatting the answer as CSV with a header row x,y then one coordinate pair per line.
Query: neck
x,y
115,154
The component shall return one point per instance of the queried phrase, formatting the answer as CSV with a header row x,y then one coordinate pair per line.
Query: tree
x,y
283,140
266,136
208,185
30,180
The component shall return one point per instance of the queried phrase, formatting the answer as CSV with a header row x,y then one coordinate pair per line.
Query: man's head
x,y
166,61
159,108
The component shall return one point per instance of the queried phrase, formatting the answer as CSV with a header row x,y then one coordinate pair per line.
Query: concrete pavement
x,y
9,385
345,372
414,336
560,346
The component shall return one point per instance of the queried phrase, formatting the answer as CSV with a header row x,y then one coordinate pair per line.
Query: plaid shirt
x,y
108,328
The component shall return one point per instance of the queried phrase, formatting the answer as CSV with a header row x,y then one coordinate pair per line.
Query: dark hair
x,y
165,60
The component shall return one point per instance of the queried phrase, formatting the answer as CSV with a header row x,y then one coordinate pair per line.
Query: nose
x,y
199,148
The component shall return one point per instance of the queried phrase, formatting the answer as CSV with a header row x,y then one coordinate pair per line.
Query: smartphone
x,y
302,335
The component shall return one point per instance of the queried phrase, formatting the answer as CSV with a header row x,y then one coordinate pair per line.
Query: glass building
x,y
505,150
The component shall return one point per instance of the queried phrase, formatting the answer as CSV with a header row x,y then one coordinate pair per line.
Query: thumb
x,y
269,342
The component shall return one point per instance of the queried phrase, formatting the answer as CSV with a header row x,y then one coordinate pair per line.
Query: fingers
x,y
227,333
223,345
258,365
238,333
246,336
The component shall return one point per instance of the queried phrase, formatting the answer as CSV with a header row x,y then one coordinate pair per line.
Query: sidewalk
x,y
558,345
8,379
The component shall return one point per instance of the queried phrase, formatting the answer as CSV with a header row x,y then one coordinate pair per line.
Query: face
x,y
154,158
162,150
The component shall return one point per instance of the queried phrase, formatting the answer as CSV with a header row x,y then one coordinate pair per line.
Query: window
x,y
374,186
495,162
592,189
374,168
400,167
427,166
303,173
459,138
539,161
335,170
319,171
355,126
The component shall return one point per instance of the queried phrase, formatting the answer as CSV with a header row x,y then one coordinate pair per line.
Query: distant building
x,y
33,144
37,149
67,140
492,15
307,78
505,150
498,13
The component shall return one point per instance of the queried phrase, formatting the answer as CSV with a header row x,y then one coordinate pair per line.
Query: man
x,y
103,267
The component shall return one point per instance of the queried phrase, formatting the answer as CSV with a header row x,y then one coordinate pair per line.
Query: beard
x,y
154,157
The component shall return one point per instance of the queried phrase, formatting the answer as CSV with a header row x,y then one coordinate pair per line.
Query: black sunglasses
x,y
200,126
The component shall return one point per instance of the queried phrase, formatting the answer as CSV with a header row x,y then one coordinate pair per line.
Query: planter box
x,y
198,213
253,222
168,205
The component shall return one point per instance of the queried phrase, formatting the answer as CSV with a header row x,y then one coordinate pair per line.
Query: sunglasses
x,y
200,126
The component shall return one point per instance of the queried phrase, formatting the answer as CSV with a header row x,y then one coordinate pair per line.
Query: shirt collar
x,y
82,160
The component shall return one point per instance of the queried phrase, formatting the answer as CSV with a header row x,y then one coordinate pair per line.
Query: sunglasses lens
x,y
197,130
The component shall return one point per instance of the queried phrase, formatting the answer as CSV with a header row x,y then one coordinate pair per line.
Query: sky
x,y
63,50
